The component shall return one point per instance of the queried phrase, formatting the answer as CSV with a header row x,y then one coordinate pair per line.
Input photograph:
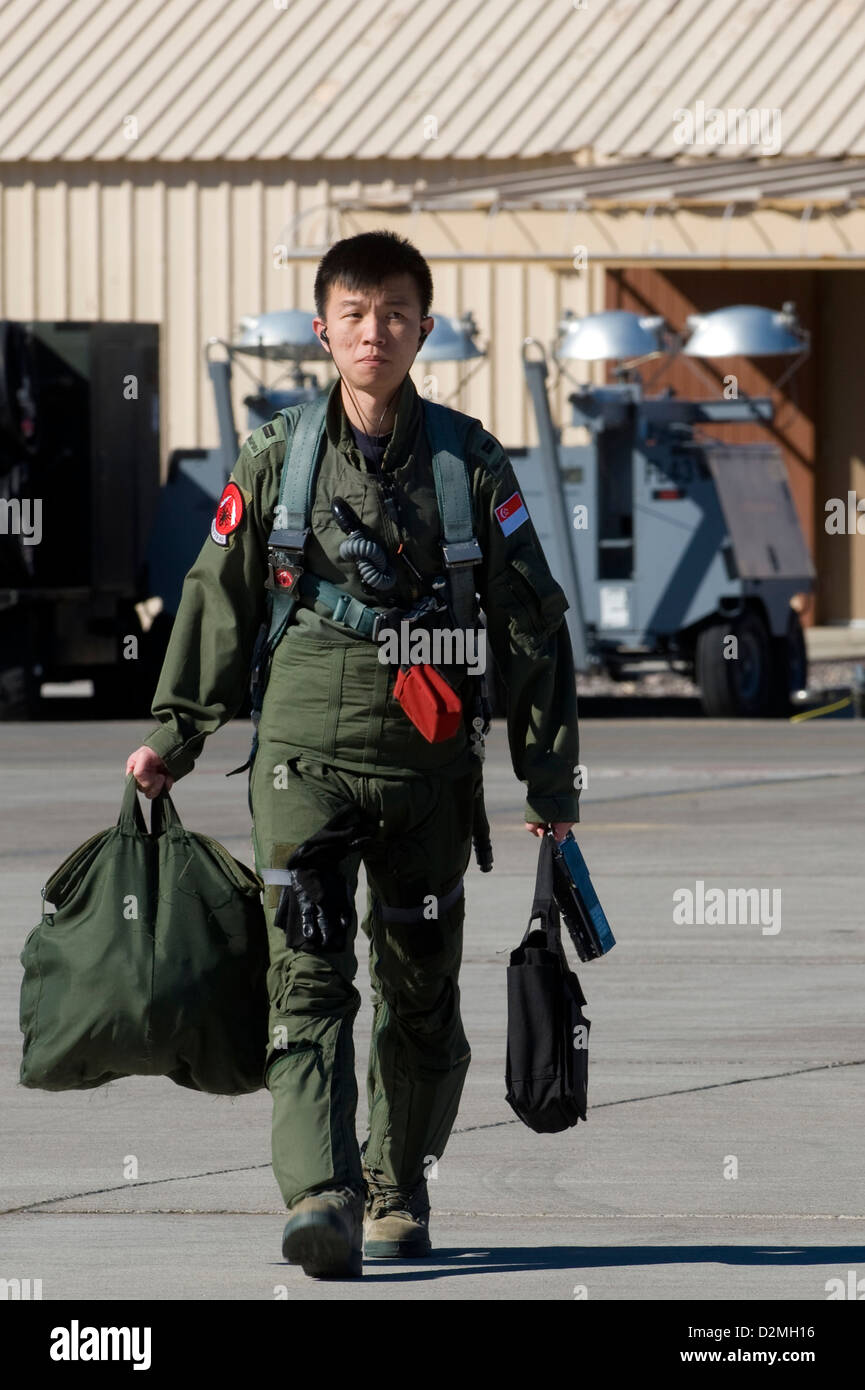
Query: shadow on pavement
x,y
639,706
70,710
518,1259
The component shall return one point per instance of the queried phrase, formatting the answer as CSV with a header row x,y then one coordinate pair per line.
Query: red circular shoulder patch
x,y
229,510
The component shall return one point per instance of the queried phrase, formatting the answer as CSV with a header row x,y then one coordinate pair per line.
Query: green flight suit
x,y
331,732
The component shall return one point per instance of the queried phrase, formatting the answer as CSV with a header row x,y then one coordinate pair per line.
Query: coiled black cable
x,y
372,563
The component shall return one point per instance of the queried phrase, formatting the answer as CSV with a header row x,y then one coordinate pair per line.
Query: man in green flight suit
x,y
335,743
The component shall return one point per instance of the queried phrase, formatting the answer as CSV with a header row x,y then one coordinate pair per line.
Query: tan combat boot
x,y
324,1234
396,1224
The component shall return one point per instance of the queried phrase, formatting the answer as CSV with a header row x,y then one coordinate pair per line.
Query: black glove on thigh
x,y
315,907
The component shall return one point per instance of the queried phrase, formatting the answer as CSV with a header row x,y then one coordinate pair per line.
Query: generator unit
x,y
671,545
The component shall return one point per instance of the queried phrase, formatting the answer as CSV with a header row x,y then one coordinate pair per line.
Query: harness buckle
x,y
283,569
282,539
460,553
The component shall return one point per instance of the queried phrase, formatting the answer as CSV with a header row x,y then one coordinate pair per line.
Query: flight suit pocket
x,y
305,693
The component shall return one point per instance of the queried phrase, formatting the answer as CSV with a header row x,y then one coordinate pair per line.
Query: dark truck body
x,y
79,439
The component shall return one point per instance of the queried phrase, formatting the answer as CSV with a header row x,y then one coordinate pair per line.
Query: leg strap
x,y
417,914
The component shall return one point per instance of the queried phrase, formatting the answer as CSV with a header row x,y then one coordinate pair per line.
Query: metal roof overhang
x,y
717,211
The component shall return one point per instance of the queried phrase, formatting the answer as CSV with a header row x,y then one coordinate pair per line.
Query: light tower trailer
x,y
672,545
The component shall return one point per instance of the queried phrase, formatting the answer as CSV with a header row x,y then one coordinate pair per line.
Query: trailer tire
x,y
788,670
20,685
19,695
734,687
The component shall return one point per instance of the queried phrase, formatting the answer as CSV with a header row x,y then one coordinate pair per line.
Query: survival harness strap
x,y
448,431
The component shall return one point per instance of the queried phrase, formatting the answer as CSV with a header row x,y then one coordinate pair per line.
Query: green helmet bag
x,y
151,961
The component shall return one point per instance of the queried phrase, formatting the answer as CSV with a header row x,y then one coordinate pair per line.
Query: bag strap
x,y
448,432
544,904
131,819
163,815
544,899
163,812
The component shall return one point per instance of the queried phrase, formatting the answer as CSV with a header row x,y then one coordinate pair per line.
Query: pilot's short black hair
x,y
365,261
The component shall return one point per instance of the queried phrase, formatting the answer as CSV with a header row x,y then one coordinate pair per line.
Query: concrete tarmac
x,y
722,1156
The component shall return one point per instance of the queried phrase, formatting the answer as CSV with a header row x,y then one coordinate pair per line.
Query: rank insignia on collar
x,y
229,513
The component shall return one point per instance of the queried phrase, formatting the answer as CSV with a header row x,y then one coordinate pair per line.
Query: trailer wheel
x,y
788,667
20,697
734,681
19,694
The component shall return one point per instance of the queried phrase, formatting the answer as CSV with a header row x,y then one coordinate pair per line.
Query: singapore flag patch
x,y
512,513
229,511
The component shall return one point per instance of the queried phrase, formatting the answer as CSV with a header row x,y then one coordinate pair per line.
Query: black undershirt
x,y
372,447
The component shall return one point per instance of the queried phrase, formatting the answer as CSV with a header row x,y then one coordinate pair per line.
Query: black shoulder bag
x,y
547,1063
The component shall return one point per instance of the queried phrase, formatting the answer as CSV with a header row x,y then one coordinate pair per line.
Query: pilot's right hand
x,y
150,773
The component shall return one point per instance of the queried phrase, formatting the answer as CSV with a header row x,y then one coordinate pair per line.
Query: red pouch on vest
x,y
431,704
